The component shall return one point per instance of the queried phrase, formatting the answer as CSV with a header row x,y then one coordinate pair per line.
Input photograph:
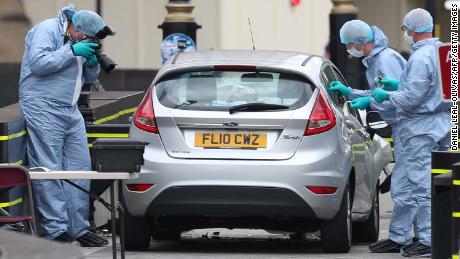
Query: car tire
x,y
336,234
137,230
368,231
166,235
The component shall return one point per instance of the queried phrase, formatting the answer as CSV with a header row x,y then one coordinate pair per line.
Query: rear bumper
x,y
240,187
238,201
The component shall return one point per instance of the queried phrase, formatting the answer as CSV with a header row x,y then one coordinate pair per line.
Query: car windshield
x,y
222,90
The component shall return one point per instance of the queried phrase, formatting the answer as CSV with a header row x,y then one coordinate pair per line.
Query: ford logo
x,y
231,124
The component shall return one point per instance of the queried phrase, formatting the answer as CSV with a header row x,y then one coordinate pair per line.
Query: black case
x,y
118,155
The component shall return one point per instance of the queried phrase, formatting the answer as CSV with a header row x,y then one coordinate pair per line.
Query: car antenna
x,y
252,38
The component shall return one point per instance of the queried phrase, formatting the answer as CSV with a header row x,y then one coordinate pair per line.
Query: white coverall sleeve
x,y
415,86
44,59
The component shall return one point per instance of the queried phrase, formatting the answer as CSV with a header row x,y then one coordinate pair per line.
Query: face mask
x,y
409,39
355,53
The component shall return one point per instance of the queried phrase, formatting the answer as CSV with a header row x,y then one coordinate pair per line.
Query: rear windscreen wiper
x,y
255,107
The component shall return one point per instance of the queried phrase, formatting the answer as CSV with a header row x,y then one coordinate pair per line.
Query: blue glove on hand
x,y
84,49
91,61
339,87
361,103
380,95
390,84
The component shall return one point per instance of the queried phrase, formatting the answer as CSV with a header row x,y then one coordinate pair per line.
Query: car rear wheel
x,y
137,230
368,231
166,235
336,233
137,233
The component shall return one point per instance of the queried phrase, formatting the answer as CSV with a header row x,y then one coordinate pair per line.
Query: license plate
x,y
230,140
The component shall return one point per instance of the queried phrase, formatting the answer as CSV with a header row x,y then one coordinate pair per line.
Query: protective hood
x,y
65,15
380,43
422,43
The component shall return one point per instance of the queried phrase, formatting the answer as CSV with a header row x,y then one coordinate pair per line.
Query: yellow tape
x,y
90,145
12,136
114,116
359,152
389,139
107,135
456,182
455,214
131,110
454,256
14,163
440,171
11,203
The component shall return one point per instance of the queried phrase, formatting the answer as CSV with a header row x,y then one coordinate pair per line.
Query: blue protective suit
x,y
50,83
383,61
386,62
424,125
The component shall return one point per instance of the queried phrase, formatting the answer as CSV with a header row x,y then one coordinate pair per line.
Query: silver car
x,y
252,139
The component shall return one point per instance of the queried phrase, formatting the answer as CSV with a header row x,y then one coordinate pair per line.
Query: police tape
x,y
114,116
13,163
441,171
11,203
12,136
17,201
107,135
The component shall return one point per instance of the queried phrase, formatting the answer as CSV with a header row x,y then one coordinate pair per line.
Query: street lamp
x,y
179,19
179,29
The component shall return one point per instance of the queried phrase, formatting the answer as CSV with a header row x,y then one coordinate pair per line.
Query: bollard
x,y
455,203
441,203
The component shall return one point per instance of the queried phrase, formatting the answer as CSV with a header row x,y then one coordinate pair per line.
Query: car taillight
x,y
322,117
322,189
141,187
144,117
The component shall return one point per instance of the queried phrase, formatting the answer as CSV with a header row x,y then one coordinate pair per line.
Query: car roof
x,y
297,62
259,57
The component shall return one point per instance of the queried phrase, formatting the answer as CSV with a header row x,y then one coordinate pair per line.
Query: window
x,y
220,90
340,78
328,77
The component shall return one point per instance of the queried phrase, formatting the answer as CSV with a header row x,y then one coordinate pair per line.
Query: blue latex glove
x,y
361,103
84,49
390,84
91,61
380,95
340,88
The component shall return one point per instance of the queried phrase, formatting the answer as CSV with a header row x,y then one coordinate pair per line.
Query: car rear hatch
x,y
232,113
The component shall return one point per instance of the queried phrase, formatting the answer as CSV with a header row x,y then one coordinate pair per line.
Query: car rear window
x,y
221,90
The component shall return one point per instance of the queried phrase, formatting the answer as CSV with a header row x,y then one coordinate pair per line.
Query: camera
x,y
107,64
